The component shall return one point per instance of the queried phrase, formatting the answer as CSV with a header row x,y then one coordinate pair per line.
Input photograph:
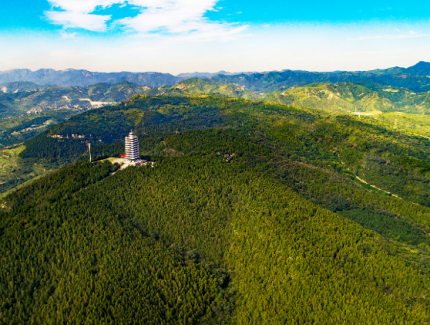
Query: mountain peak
x,y
420,67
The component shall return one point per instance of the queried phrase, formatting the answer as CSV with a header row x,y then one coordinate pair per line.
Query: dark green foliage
x,y
259,203
49,150
62,184
388,225
88,254
67,258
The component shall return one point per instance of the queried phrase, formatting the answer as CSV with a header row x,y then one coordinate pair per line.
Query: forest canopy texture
x,y
253,213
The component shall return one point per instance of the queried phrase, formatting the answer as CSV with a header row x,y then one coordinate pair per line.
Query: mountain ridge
x,y
341,96
258,81
83,78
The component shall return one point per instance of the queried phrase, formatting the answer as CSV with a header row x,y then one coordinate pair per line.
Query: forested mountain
x,y
421,68
82,78
341,96
349,97
197,86
161,116
368,98
255,213
415,78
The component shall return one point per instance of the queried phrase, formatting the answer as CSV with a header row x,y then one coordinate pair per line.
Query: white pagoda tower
x,y
132,147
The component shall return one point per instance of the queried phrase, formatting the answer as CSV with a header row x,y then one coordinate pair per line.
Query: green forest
x,y
253,213
347,97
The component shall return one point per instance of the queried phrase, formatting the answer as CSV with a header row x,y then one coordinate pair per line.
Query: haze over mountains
x,y
82,78
416,78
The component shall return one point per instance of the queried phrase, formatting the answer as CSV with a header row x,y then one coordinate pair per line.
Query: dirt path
x,y
363,181
418,135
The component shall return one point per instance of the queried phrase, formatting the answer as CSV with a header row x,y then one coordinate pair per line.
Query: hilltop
x,y
254,213
197,86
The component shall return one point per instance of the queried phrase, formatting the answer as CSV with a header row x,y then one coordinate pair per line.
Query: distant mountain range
x,y
416,78
82,78
20,98
196,86
208,74
369,94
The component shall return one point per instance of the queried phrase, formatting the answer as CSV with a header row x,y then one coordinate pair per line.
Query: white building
x,y
131,147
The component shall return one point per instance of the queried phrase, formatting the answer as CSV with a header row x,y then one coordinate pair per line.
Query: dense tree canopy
x,y
252,214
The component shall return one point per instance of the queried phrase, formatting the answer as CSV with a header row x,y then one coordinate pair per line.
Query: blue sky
x,y
208,35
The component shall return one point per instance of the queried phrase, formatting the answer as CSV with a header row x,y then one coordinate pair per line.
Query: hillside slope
x,y
349,97
196,86
341,96
358,149
252,215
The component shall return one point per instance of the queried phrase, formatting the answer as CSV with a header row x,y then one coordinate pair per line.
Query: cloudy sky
x,y
208,35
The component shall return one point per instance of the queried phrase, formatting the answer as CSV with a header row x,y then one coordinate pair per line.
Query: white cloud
x,y
90,22
78,13
183,18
